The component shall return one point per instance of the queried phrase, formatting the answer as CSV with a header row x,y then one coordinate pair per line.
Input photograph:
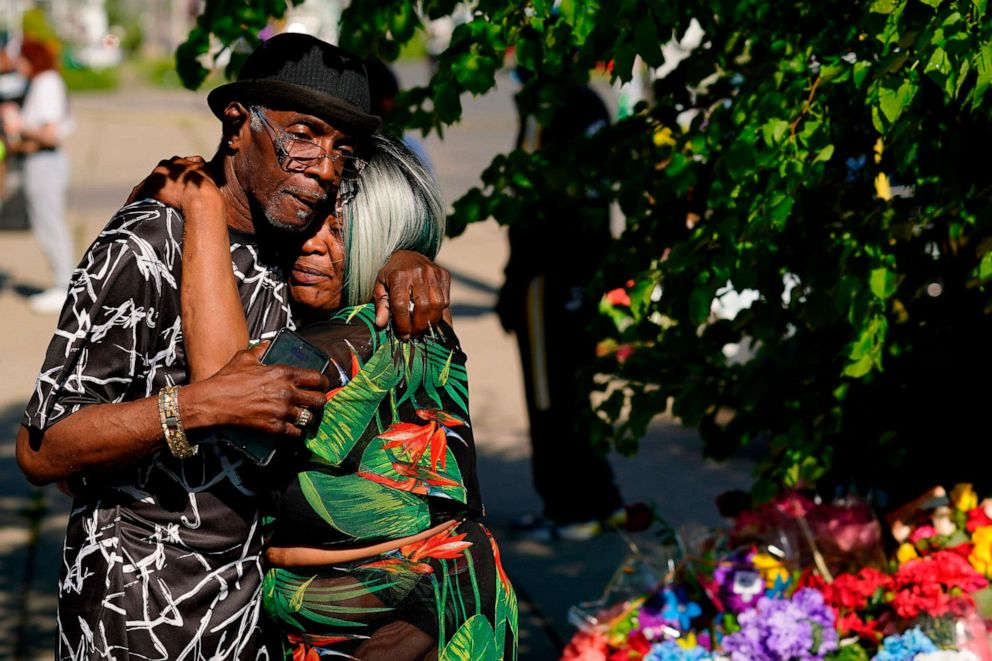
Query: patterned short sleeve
x,y
119,335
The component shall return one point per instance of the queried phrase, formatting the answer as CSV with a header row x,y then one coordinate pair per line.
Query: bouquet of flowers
x,y
801,580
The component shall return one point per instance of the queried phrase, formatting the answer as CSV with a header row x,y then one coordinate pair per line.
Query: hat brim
x,y
278,95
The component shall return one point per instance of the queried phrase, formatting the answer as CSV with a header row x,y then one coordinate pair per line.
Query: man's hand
x,y
414,291
246,393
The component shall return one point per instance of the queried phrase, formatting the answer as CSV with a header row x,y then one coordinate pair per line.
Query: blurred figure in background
x,y
37,130
548,309
383,86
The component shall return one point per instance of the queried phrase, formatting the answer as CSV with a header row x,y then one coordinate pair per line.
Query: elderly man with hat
x,y
161,559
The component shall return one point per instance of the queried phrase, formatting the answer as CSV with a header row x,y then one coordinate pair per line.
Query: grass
x,y
90,80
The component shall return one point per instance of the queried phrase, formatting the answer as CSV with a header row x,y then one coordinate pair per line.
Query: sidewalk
x,y
119,138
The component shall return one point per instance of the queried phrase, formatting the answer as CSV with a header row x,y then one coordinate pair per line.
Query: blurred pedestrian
x,y
37,131
546,305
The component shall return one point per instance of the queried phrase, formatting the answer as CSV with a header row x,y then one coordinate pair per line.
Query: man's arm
x,y
94,405
244,393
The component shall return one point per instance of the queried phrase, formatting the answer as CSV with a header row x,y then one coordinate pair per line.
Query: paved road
x,y
120,137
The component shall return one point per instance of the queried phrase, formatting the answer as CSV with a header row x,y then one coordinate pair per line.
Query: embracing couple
x,y
361,537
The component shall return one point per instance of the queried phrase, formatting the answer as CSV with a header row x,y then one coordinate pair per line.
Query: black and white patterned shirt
x,y
161,558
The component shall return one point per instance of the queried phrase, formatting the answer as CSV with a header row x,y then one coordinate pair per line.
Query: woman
x,y
37,131
375,548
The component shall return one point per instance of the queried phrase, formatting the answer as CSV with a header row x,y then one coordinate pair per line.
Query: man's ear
x,y
235,121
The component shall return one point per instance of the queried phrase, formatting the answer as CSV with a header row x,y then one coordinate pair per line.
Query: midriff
x,y
303,556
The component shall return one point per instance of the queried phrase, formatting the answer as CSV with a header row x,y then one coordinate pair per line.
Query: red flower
x,y
977,518
414,479
415,439
618,296
932,584
638,644
442,546
586,646
437,415
304,652
499,563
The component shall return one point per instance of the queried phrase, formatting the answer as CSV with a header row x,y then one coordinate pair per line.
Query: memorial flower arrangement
x,y
801,580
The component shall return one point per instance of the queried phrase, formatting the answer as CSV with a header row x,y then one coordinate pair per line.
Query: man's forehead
x,y
288,117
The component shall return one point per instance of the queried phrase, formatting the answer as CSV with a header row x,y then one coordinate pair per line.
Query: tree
x,y
836,145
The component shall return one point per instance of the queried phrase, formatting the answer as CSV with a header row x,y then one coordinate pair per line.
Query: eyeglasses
x,y
296,154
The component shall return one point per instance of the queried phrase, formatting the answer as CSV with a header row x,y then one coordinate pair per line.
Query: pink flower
x,y
923,532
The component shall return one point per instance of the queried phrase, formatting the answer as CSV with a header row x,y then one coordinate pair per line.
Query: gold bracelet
x,y
172,424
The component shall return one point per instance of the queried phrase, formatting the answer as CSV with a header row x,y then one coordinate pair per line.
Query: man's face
x,y
289,192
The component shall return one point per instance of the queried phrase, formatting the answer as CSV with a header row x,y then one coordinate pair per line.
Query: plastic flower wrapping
x,y
798,579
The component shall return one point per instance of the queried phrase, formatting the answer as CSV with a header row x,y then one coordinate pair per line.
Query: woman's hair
x,y
397,206
40,56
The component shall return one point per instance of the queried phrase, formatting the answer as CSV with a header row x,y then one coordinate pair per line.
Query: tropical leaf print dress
x,y
392,457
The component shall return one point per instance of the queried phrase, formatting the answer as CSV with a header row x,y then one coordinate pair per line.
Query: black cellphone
x,y
287,348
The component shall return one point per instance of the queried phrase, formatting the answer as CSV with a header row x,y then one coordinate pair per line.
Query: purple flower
x,y
740,583
784,629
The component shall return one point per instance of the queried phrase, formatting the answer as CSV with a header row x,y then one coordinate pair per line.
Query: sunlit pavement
x,y
120,137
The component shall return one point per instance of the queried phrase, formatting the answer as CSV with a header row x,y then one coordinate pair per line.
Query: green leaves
x,y
473,641
892,101
835,145
647,42
883,283
362,508
349,411
581,15
885,6
866,351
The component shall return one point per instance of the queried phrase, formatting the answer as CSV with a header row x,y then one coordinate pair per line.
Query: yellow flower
x,y
963,497
906,552
770,568
981,553
663,137
688,641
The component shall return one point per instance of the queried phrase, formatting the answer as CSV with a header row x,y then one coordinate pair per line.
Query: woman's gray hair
x,y
397,206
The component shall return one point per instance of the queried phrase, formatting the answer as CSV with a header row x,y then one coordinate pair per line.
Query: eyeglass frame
x,y
282,139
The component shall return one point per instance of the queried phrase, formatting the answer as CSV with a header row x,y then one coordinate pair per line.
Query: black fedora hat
x,y
299,72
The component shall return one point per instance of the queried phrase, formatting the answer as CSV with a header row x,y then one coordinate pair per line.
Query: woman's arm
x,y
31,140
214,326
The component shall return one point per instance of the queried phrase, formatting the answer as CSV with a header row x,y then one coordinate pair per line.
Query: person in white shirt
x,y
37,131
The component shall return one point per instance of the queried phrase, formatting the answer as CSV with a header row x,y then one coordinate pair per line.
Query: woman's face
x,y
316,279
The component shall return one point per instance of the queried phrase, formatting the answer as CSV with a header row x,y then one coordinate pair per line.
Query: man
x,y
549,311
161,558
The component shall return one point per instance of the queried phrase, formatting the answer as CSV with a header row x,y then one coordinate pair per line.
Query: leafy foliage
x,y
835,145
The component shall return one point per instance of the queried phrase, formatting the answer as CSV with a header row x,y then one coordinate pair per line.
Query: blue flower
x,y
678,610
672,651
905,647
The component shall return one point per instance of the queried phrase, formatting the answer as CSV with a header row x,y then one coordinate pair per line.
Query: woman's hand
x,y
183,183
414,291
247,393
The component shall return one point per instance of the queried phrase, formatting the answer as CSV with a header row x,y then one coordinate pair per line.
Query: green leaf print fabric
x,y
392,457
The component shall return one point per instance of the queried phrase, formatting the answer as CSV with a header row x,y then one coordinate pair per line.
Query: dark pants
x,y
573,479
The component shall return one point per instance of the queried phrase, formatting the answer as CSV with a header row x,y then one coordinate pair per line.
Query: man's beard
x,y
272,216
